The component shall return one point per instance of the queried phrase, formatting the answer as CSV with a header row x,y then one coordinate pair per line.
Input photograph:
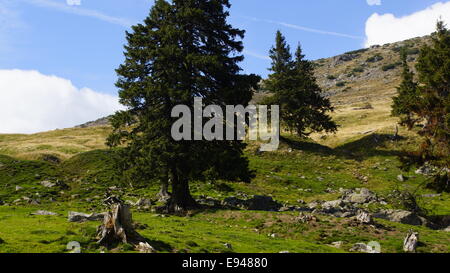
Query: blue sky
x,y
84,43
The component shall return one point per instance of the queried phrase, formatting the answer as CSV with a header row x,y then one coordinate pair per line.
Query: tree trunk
x,y
118,228
180,199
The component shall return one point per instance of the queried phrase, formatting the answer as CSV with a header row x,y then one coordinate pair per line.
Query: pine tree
x,y
303,107
183,49
431,105
405,104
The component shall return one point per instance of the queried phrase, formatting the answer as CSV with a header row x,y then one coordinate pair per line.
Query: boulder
x,y
83,217
400,216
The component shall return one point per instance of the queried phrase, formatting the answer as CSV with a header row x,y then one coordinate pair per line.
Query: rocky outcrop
x,y
401,216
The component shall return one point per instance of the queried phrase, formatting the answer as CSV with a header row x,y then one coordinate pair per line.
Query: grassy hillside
x,y
361,155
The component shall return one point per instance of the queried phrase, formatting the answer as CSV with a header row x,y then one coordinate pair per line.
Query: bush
x,y
375,58
390,66
331,77
357,51
341,84
358,70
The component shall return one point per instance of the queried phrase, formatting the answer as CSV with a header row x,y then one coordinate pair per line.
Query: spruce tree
x,y
405,104
431,105
183,49
303,107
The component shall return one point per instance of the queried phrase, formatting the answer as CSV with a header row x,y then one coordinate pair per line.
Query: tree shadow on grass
x,y
360,149
160,246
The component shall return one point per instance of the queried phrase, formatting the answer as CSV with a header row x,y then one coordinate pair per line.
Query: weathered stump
x,y
411,241
117,227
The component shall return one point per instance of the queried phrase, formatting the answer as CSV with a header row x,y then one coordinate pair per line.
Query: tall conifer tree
x,y
303,107
183,49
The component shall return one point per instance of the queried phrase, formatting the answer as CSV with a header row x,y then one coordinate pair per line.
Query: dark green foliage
x,y
358,70
375,58
341,84
357,51
303,108
390,66
405,104
184,49
431,104
331,77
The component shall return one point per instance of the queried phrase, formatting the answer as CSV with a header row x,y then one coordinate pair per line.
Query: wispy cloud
x,y
256,55
303,28
81,12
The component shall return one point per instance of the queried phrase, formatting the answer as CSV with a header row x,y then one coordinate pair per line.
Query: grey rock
x,y
18,188
83,217
410,242
400,216
401,178
333,204
362,197
44,212
47,184
364,217
359,247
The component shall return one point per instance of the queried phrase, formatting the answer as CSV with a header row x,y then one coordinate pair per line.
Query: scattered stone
x,y
362,197
305,218
83,217
337,244
227,245
425,170
144,247
47,184
410,242
359,247
44,212
401,178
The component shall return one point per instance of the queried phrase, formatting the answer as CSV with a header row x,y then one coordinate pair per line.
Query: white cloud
x,y
73,2
374,2
386,28
32,102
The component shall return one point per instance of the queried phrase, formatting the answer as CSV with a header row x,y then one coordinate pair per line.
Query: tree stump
x,y
117,227
411,241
